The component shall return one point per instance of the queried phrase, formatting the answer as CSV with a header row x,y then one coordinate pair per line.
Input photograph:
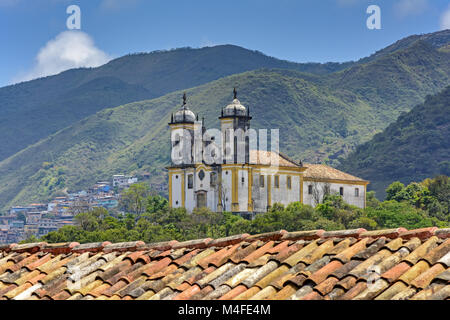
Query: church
x,y
236,176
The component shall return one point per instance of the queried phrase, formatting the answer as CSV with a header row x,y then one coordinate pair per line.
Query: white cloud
x,y
445,19
69,49
406,8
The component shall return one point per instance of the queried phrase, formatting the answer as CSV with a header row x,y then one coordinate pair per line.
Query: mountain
x,y
32,110
436,40
322,117
414,147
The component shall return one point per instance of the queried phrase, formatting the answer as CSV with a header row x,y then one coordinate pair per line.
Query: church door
x,y
201,199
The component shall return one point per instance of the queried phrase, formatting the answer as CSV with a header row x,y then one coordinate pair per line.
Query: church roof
x,y
304,265
264,157
324,172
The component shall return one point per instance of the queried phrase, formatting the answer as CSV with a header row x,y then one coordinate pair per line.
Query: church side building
x,y
245,181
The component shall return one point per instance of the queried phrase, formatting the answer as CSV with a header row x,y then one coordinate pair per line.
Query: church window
x,y
213,179
277,181
201,175
261,181
243,180
176,177
190,181
356,192
289,182
176,202
341,191
310,189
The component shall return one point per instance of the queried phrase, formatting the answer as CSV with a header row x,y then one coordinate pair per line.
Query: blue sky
x,y
33,34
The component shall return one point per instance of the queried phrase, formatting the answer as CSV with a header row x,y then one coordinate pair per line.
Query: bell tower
x,y
234,123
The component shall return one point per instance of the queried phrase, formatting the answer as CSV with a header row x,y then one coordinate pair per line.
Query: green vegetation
x,y
322,117
417,205
414,147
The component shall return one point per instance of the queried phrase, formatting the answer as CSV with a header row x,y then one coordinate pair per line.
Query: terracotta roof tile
x,y
354,233
388,233
354,291
304,265
421,251
217,293
425,278
231,240
320,171
441,294
303,291
405,294
303,235
233,293
395,272
248,294
348,253
423,233
200,295
392,291
264,293
321,274
442,233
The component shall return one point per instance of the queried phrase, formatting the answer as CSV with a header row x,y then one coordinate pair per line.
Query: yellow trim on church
x,y
170,189
250,184
235,193
183,190
363,183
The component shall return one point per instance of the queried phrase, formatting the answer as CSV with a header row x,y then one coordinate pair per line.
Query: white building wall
x,y
349,192
176,190
226,188
282,194
190,199
259,193
243,190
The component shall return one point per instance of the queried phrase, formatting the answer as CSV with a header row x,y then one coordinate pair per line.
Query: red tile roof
x,y
306,265
323,172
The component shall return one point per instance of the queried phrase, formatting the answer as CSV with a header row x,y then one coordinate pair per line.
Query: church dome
x,y
184,115
235,108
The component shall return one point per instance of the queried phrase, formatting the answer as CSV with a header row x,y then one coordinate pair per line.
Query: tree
x,y
156,204
393,190
132,200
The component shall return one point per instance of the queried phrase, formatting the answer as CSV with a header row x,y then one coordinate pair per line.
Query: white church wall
x,y
190,199
283,194
176,190
226,188
243,190
259,192
349,192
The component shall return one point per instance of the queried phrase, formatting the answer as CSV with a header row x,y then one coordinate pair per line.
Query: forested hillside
x,y
322,117
414,147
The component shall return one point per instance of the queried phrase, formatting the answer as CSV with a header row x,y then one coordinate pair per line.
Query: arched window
x,y
190,181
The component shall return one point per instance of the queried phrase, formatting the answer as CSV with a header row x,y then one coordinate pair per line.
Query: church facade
x,y
235,176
